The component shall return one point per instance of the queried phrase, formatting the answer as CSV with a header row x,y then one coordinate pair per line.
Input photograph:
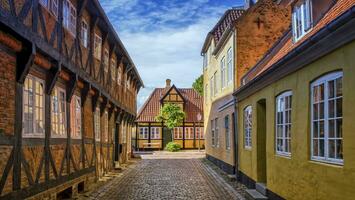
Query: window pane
x,y
331,128
339,107
315,147
339,86
331,107
339,128
331,148
339,149
321,129
331,89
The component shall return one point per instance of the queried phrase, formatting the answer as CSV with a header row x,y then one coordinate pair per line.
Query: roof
x,y
151,108
224,23
286,44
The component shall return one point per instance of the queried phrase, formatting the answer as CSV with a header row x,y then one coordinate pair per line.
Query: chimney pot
x,y
168,83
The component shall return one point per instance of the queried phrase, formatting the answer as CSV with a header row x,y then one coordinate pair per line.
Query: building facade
x,y
151,134
238,40
295,133
67,97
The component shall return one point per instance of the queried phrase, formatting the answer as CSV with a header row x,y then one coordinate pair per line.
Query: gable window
x,y
283,123
327,118
247,127
189,133
227,132
143,133
69,17
178,133
97,46
229,66
84,33
155,133
58,113
75,109
33,107
97,124
223,73
301,19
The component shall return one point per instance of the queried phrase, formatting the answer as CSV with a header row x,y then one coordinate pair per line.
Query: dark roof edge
x,y
341,39
145,104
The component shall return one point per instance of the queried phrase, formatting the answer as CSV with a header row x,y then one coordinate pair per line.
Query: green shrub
x,y
173,147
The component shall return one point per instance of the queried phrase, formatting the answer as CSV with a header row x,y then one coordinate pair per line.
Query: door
x,y
261,141
167,136
116,142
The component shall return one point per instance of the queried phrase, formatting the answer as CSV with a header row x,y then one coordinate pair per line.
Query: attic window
x,y
301,19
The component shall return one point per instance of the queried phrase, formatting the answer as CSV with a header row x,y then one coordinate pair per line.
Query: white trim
x,y
230,69
143,133
84,33
58,113
282,109
75,106
227,129
324,80
178,133
223,72
97,46
189,133
154,133
247,126
69,17
299,12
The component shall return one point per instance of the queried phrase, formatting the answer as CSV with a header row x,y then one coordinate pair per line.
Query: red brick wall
x,y
260,27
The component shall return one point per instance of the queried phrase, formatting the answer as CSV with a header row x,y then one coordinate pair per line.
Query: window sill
x,y
327,162
247,148
283,155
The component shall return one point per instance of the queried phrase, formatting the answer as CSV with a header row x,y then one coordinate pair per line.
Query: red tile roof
x,y
151,108
226,22
288,45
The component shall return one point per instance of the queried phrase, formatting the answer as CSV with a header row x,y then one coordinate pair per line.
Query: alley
x,y
168,176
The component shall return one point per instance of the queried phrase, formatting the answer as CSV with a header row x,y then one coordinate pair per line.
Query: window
x,y
58,113
155,133
301,19
106,58
97,46
84,33
216,132
215,89
205,61
199,133
283,123
119,75
143,133
223,72
327,118
124,134
211,87
227,132
178,133
97,124
33,107
113,69
105,133
50,5
75,109
189,133
230,66
69,17
247,126
213,135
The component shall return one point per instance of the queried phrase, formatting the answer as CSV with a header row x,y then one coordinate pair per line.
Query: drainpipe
x,y
235,121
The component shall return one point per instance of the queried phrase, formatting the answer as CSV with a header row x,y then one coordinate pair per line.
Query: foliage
x,y
198,85
171,115
173,147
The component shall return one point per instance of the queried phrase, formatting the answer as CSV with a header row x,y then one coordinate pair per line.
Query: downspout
x,y
235,121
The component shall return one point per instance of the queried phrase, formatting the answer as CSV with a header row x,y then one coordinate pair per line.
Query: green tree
x,y
171,115
198,85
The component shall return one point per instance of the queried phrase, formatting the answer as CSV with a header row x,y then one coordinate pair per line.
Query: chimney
x,y
168,83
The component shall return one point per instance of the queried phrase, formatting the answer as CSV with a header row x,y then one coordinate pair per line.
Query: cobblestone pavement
x,y
167,176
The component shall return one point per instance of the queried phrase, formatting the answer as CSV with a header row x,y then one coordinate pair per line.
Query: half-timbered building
x,y
67,97
151,134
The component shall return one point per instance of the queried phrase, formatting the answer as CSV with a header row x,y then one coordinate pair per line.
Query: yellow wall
x,y
298,177
210,110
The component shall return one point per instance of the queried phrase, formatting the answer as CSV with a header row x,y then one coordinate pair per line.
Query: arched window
x,y
327,118
283,123
247,126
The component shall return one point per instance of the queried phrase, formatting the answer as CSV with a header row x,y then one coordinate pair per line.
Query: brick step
x,y
252,194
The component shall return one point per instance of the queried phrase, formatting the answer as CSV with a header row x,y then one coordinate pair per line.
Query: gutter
x,y
316,38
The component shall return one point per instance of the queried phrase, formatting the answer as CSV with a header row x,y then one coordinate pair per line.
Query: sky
x,y
164,37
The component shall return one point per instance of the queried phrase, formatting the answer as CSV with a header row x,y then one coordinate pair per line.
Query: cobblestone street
x,y
168,176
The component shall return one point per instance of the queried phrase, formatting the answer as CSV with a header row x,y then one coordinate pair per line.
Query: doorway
x,y
167,136
261,141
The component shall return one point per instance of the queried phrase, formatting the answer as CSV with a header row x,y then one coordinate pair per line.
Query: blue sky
x,y
165,37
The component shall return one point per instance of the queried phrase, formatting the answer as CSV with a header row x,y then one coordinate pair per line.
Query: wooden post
x,y
183,134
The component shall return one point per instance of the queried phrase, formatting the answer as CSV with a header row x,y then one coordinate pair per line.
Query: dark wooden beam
x,y
25,60
95,100
16,178
80,7
71,86
25,10
52,77
85,94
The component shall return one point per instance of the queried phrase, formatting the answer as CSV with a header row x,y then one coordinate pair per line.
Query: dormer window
x,y
301,19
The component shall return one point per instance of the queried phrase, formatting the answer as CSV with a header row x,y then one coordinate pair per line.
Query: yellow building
x,y
151,134
295,111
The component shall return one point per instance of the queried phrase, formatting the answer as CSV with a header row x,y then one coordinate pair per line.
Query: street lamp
x,y
199,118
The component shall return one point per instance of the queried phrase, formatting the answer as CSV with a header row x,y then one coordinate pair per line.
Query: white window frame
x,y
223,72
199,133
215,88
35,108
75,105
248,123
58,116
97,47
143,133
51,6
284,120
324,80
178,133
230,73
189,133
97,124
213,135
298,15
84,33
227,132
69,17
155,133
216,129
